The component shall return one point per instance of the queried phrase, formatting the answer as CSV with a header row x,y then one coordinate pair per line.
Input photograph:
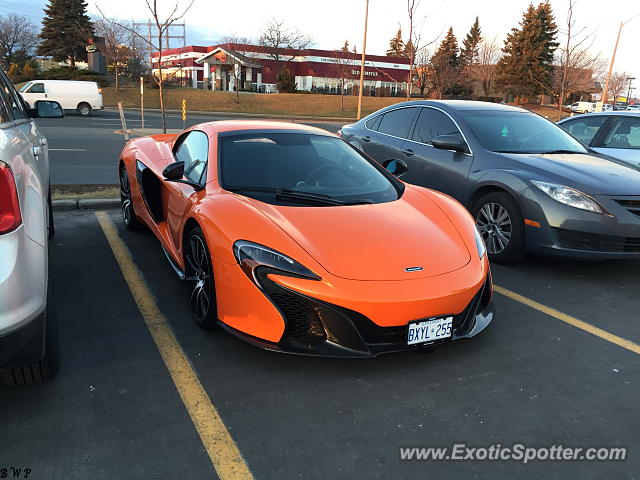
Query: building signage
x,y
221,57
366,73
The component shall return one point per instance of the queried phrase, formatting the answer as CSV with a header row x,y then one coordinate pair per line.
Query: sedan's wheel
x,y
51,229
199,279
126,205
501,225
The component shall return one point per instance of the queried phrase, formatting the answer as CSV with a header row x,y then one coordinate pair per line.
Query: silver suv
x,y
28,335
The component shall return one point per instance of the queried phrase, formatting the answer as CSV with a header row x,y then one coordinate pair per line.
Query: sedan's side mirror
x,y
396,167
174,171
453,142
46,109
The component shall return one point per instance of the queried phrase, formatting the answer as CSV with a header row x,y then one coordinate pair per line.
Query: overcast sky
x,y
331,22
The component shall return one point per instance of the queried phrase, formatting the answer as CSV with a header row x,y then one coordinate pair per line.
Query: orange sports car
x,y
294,241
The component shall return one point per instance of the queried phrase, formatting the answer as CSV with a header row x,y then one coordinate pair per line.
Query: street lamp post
x,y
603,98
364,50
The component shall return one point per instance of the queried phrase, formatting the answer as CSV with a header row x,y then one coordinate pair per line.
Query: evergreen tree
x,y
66,31
445,65
407,50
527,66
471,45
345,47
285,81
396,46
447,53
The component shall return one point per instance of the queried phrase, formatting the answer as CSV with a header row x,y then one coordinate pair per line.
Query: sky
x,y
331,22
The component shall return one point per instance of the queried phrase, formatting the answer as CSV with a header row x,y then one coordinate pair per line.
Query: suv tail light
x,y
10,217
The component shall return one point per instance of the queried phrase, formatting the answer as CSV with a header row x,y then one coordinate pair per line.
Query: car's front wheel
x,y
129,216
501,225
199,279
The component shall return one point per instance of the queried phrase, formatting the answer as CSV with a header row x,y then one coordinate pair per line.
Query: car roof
x,y
610,113
461,105
262,125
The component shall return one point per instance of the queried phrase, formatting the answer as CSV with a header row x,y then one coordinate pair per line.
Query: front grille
x,y
300,316
632,205
592,241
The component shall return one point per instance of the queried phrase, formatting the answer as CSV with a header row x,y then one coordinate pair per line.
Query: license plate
x,y
429,330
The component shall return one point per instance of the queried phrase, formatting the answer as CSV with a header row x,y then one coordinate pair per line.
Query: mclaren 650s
x,y
295,241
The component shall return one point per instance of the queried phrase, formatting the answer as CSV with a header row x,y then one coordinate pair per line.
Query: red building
x,y
254,68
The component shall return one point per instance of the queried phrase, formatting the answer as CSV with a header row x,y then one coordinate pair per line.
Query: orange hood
x,y
375,242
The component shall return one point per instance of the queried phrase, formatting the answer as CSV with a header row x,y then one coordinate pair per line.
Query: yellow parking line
x,y
222,450
563,317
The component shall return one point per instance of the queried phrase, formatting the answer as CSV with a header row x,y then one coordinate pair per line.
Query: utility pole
x,y
364,51
631,79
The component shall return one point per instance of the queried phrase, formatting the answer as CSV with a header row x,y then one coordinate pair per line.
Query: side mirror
x,y
396,167
453,142
46,109
174,171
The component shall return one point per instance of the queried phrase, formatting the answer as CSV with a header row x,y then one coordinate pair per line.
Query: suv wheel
x,y
501,225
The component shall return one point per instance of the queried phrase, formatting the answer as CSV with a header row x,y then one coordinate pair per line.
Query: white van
x,y
583,107
82,97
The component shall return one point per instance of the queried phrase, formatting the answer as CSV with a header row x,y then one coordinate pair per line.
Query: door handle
x,y
408,152
366,138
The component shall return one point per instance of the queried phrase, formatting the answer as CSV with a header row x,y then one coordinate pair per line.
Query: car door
x,y
192,148
386,138
442,170
37,91
621,139
585,129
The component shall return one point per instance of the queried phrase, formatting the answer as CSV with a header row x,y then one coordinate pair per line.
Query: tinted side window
x,y
432,123
625,133
4,107
374,123
37,88
193,150
14,103
584,129
397,122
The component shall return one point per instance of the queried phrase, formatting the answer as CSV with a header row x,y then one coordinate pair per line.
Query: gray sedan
x,y
529,185
613,133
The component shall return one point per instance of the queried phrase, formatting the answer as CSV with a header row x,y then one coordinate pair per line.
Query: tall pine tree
x,y
471,45
396,46
66,31
445,65
527,65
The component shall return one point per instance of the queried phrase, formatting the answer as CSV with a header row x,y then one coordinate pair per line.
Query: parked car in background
x,y
582,107
529,185
294,242
28,336
82,97
633,108
616,134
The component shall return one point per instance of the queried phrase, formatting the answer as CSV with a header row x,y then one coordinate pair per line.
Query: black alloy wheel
x,y
501,225
129,217
199,280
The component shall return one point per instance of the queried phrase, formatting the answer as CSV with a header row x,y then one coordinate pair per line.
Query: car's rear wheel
x,y
84,109
501,225
199,279
129,216
51,229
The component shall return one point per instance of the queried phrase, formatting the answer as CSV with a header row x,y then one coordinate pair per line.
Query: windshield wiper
x,y
543,152
282,193
559,151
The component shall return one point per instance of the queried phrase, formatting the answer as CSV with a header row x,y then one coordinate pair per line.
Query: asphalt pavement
x,y
84,150
113,412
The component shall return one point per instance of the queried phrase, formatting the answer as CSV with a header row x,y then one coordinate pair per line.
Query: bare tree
x,y
234,39
343,66
162,25
422,70
617,85
18,38
483,71
115,50
412,6
576,64
276,36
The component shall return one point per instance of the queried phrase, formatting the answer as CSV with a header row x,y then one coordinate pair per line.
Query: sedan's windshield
x,y
300,168
520,132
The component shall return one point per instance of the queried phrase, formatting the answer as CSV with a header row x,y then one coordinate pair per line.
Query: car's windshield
x,y
325,169
520,132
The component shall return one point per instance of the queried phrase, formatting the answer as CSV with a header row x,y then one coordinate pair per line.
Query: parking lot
x,y
114,410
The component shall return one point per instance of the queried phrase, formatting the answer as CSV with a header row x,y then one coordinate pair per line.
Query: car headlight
x,y
569,196
482,248
252,257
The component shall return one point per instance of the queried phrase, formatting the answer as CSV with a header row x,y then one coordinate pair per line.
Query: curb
x,y
275,116
86,204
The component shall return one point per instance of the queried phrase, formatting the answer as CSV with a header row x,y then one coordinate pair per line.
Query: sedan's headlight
x,y
569,196
251,256
482,248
